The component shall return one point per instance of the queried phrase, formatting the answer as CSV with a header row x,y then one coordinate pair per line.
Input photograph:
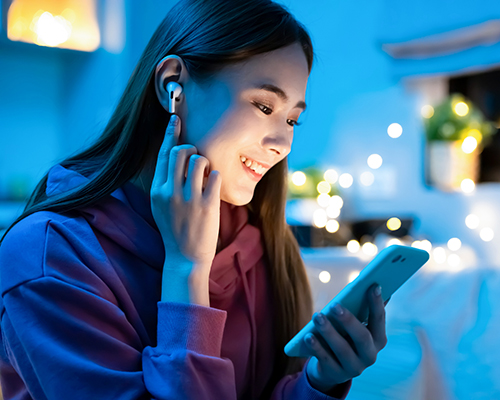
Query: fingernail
x,y
378,290
338,310
310,339
174,120
319,318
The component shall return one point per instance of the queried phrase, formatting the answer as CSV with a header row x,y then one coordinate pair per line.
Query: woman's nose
x,y
280,144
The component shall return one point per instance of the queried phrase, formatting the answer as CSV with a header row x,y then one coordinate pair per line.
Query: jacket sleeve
x,y
297,386
68,339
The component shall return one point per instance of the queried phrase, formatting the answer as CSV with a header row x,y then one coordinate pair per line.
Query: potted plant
x,y
456,133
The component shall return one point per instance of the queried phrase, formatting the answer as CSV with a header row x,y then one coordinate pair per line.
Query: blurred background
x,y
399,146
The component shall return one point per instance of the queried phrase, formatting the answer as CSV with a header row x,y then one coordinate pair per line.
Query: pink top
x,y
81,315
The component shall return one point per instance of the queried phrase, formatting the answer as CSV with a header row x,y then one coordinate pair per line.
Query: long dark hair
x,y
208,35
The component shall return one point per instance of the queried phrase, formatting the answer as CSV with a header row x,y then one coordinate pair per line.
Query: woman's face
x,y
236,116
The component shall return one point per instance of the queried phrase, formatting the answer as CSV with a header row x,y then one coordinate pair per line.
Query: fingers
x,y
197,166
359,335
376,319
212,190
346,356
327,362
169,141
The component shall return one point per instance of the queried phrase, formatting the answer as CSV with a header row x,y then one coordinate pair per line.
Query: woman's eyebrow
x,y
280,92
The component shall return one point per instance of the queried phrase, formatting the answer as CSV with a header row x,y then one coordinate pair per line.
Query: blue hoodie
x,y
81,316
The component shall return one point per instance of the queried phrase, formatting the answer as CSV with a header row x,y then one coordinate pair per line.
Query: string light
x,y
299,178
439,255
426,245
375,161
331,176
353,275
353,246
332,212
393,224
427,111
323,199
324,276
395,130
461,109
454,244
320,218
369,249
468,185
346,180
394,241
336,201
332,226
472,221
469,144
487,234
323,187
367,178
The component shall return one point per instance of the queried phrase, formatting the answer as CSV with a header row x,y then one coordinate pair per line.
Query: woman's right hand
x,y
187,215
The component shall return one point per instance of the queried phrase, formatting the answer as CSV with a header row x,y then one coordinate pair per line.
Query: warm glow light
x,y
353,246
298,178
461,109
323,199
323,187
476,134
468,185
426,245
487,234
54,23
332,212
393,224
324,276
331,176
367,178
353,275
320,218
439,255
472,221
332,226
469,144
369,249
454,244
346,180
395,130
416,244
336,201
374,161
427,111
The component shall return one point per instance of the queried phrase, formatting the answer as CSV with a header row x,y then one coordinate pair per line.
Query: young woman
x,y
157,263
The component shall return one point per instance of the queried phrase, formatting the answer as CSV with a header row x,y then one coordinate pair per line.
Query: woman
x,y
157,263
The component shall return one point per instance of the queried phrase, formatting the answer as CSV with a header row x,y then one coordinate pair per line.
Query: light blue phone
x,y
392,267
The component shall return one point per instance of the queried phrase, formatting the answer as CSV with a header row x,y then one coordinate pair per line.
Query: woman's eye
x,y
268,111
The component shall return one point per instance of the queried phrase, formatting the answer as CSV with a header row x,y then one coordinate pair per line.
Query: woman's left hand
x,y
345,359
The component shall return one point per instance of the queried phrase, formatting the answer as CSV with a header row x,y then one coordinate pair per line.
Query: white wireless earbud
x,y
174,91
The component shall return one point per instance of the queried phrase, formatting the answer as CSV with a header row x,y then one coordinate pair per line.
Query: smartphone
x,y
392,267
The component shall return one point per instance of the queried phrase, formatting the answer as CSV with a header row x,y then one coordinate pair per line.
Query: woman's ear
x,y
170,69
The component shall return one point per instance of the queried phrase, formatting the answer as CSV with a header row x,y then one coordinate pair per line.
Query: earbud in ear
x,y
174,91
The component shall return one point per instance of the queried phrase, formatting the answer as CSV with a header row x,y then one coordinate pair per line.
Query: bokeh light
x,y
375,161
427,111
346,180
393,224
454,244
472,221
299,178
324,276
395,130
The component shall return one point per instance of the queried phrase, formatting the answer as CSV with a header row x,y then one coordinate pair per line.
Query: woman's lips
x,y
254,175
